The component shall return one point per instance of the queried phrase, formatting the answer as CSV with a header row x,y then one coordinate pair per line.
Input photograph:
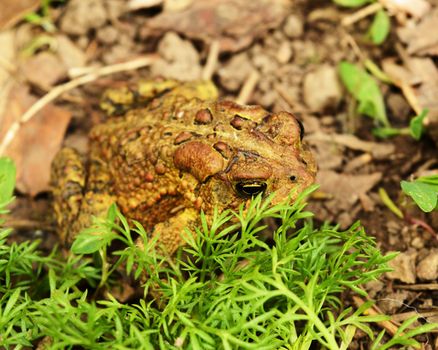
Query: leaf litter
x,y
282,45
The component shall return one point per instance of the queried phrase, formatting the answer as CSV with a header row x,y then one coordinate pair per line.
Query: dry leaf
x,y
36,142
421,39
416,8
346,189
7,56
235,23
379,150
44,70
13,11
71,55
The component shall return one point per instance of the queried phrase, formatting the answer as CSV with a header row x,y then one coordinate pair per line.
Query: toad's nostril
x,y
293,178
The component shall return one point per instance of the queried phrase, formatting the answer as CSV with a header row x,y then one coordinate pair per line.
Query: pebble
x,y
284,53
427,268
321,89
403,266
293,27
83,15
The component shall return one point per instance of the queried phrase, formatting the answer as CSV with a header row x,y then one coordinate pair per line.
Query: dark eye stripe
x,y
301,129
249,189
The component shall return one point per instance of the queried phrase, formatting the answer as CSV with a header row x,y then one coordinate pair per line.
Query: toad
x,y
170,150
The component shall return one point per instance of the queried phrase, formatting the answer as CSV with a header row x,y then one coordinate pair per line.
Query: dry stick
x,y
405,87
362,13
406,315
356,49
60,89
210,65
419,286
248,87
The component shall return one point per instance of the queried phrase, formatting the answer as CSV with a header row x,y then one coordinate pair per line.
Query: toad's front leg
x,y
170,233
77,198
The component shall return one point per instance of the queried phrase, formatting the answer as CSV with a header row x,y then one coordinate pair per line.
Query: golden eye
x,y
250,189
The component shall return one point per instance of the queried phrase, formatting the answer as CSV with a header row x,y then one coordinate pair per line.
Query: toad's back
x,y
184,151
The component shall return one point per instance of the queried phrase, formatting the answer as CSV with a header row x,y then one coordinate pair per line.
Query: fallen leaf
x,y
12,11
234,23
36,142
44,70
71,55
421,39
403,266
379,150
416,8
7,57
346,189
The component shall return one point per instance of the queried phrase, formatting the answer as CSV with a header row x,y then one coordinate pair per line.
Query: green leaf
x,y
385,133
424,194
365,89
7,179
88,242
431,179
380,27
416,125
351,3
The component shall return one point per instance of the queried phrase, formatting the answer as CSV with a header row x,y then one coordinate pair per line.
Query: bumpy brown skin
x,y
183,152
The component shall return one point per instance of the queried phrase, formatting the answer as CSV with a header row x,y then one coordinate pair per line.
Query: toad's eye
x,y
249,189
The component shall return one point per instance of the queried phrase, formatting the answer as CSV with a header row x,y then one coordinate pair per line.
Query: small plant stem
x,y
212,60
313,317
389,203
362,13
376,71
248,87
422,224
103,256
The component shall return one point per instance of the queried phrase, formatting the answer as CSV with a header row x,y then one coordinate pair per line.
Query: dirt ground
x,y
283,55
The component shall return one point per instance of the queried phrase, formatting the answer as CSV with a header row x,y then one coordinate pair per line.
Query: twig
x,y
415,221
410,96
60,89
419,286
210,65
354,46
362,13
8,66
248,87
292,105
406,315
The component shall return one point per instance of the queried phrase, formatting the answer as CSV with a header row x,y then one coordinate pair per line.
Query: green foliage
x,y
365,90
352,3
424,191
231,290
380,27
381,24
42,17
415,129
7,181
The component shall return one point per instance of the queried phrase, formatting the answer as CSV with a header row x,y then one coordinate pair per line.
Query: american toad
x,y
173,149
